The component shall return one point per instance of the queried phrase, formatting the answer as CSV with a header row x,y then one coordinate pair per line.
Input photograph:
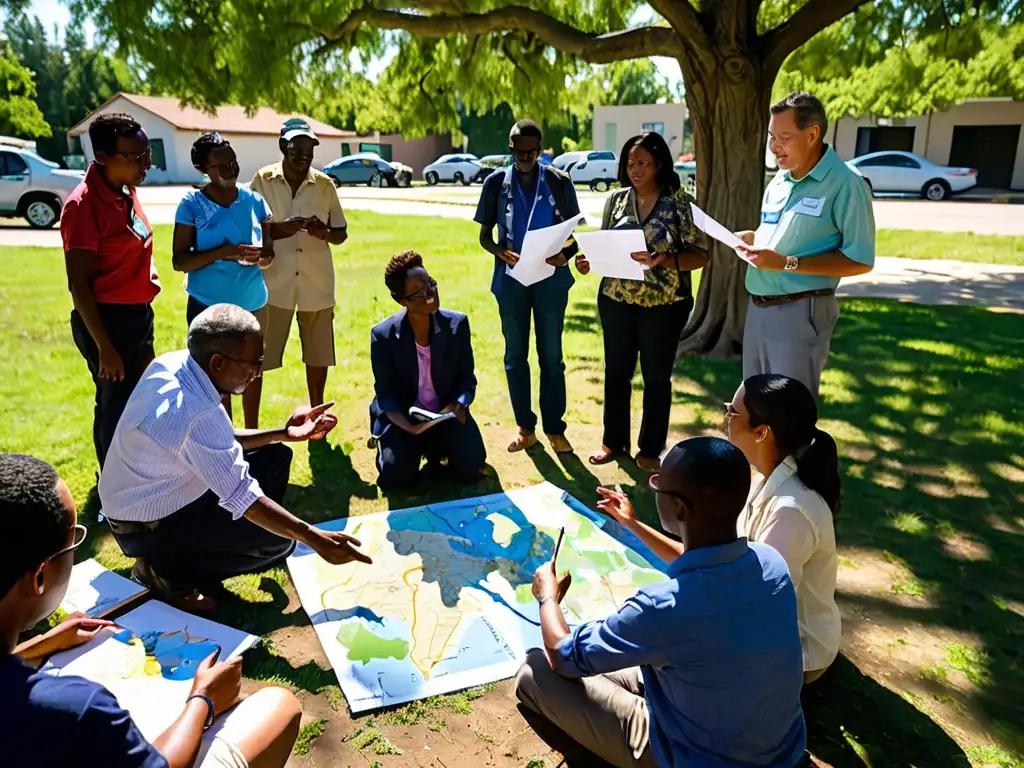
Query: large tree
x,y
450,54
19,114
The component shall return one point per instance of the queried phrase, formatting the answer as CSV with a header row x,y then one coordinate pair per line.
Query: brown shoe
x,y
523,441
186,599
560,443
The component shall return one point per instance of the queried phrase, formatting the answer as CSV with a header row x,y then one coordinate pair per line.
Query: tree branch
x,y
596,49
683,18
812,17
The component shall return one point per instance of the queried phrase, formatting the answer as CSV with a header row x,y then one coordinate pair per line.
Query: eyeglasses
x,y
730,412
79,537
653,484
225,169
526,154
137,157
422,293
258,363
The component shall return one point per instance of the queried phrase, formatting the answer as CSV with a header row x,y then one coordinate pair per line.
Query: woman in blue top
x,y
220,241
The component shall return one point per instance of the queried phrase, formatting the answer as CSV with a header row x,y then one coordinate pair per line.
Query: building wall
x,y
154,126
613,125
933,135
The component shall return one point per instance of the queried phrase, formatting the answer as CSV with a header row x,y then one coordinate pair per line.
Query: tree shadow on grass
x,y
335,483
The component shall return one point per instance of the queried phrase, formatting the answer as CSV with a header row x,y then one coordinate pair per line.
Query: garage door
x,y
885,139
992,149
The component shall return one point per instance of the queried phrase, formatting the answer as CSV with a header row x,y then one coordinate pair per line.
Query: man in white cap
x,y
307,220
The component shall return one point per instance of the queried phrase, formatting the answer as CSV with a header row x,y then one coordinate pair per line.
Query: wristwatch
x,y
792,264
211,710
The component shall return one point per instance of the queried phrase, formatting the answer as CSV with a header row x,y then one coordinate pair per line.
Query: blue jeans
x,y
546,302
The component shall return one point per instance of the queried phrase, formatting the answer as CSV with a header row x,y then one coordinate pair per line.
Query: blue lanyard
x,y
536,195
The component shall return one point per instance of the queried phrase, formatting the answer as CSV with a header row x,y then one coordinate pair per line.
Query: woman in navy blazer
x,y
422,356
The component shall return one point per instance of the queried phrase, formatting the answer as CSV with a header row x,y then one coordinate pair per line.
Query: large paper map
x,y
448,601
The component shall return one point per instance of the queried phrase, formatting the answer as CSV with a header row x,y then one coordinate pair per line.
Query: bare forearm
x,y
179,744
400,420
337,236
190,261
831,264
487,241
271,516
278,231
251,439
687,261
664,547
553,628
85,302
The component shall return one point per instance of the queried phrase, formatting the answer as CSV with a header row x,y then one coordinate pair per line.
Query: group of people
x,y
704,668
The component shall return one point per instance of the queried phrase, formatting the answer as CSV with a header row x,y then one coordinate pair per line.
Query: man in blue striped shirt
x,y
701,670
192,499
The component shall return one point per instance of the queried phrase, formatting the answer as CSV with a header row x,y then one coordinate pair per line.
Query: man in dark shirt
x,y
701,670
64,722
527,196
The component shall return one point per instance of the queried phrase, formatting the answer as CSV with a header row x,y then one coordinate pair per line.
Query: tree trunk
x,y
728,105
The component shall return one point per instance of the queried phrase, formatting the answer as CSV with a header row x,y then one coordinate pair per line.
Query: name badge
x,y
770,217
810,206
139,226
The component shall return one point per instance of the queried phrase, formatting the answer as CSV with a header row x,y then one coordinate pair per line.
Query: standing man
x,y
817,226
527,196
108,255
307,220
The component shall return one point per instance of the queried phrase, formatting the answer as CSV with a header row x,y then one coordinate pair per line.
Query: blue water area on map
x,y
178,654
356,612
455,542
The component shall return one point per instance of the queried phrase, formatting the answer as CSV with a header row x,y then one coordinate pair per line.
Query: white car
x,y
457,168
32,188
893,171
599,169
566,160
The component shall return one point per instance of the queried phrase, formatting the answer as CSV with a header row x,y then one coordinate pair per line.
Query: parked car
x,y
368,168
491,163
687,172
599,169
906,172
456,168
566,160
32,188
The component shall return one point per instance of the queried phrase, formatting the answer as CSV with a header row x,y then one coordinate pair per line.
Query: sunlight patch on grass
x,y
370,737
907,522
994,757
974,663
307,735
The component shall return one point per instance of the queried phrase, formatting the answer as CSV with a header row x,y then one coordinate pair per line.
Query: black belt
x,y
762,302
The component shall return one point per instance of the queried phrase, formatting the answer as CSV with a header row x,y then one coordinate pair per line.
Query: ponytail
x,y
817,466
787,407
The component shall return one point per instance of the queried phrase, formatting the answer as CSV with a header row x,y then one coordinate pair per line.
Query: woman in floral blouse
x,y
646,318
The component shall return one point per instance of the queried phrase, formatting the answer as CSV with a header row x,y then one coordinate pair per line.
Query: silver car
x,y
32,188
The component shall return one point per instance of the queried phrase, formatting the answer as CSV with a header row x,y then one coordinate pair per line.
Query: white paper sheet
x,y
608,252
150,663
95,590
722,234
538,246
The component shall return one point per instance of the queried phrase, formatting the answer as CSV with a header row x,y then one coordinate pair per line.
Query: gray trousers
x,y
790,339
607,714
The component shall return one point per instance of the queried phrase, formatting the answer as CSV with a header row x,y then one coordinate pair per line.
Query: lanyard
x,y
536,196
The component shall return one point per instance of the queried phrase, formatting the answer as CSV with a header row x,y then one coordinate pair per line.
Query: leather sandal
x,y
648,464
523,441
605,456
560,443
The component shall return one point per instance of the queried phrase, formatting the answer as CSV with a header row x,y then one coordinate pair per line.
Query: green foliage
x,y
71,79
307,735
19,114
875,62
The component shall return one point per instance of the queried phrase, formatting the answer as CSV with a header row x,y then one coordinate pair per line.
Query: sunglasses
x,y
79,537
653,485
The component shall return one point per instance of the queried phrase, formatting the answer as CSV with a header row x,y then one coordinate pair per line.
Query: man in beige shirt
x,y
307,220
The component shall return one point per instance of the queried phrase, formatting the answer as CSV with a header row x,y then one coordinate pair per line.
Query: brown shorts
x,y
316,332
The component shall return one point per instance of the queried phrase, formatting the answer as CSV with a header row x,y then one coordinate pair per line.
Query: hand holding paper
x,y
609,252
722,234
539,245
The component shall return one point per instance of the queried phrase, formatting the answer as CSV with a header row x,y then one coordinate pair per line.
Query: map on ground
x,y
448,602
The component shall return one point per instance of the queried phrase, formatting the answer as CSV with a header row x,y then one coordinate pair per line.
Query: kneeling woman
x,y
422,356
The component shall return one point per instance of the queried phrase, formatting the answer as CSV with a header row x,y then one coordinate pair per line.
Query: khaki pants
x,y
606,714
316,332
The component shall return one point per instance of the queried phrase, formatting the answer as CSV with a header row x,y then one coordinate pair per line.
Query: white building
x,y
613,125
987,134
172,129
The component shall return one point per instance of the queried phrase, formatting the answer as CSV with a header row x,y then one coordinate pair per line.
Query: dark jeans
x,y
193,309
546,301
399,453
130,328
201,544
653,334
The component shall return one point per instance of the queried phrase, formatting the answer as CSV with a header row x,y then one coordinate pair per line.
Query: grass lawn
x,y
958,246
924,402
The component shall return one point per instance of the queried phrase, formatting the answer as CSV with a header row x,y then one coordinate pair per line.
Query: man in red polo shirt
x,y
108,254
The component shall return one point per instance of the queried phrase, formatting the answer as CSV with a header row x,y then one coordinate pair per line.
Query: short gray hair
x,y
807,109
220,329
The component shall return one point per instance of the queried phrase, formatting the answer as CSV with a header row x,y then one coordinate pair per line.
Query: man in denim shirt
x,y
701,670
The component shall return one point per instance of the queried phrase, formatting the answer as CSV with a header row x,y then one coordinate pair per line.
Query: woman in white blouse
x,y
793,499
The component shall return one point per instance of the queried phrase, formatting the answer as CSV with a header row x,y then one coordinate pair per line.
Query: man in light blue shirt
x,y
817,226
193,500
702,670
